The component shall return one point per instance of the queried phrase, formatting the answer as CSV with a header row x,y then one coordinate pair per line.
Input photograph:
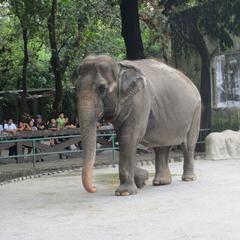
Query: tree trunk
x,y
24,69
131,29
55,60
205,89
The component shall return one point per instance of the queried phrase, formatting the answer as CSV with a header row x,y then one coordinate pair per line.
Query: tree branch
x,y
63,44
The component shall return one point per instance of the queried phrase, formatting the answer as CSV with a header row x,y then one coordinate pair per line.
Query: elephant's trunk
x,y
88,122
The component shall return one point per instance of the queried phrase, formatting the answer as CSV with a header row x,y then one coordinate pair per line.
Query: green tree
x,y
10,51
12,54
27,13
155,30
81,28
192,22
76,29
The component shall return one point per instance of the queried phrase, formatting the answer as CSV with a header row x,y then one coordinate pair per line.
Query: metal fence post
x,y
34,151
113,146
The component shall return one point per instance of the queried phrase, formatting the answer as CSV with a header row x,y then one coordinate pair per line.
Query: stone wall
x,y
223,145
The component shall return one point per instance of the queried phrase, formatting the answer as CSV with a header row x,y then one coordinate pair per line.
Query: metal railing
x,y
36,153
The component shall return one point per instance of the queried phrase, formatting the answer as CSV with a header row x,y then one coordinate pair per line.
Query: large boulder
x,y
223,145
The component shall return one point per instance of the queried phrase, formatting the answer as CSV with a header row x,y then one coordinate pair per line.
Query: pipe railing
x,y
35,152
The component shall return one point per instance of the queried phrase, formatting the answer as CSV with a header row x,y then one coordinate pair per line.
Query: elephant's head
x,y
101,85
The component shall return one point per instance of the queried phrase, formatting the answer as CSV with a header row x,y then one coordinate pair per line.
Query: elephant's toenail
x,y
125,194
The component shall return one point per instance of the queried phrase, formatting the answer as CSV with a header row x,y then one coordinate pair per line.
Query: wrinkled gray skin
x,y
147,102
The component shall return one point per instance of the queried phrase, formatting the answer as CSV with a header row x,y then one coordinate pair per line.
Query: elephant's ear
x,y
131,81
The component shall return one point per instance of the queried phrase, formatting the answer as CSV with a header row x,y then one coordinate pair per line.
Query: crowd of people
x,y
28,123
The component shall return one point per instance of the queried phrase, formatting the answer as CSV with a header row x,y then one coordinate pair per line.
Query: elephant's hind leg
x,y
140,177
188,165
189,147
162,174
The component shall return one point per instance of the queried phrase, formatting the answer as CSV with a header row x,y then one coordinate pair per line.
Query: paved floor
x,y
12,170
56,207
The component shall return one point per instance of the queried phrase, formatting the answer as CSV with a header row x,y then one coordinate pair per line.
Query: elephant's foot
x,y
125,190
140,177
162,178
187,177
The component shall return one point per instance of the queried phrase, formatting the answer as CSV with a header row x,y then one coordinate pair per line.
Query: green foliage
x,y
216,19
69,104
11,53
92,27
155,30
82,27
226,119
86,27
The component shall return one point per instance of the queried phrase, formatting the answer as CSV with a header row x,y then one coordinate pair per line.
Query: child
x,y
53,127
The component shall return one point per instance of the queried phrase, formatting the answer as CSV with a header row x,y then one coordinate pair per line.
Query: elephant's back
x,y
174,99
165,77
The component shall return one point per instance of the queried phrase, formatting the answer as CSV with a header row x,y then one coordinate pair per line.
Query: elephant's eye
x,y
102,90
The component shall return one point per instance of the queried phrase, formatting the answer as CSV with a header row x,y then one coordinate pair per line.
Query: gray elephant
x,y
147,102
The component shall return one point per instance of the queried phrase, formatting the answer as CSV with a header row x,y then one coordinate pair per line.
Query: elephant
x,y
147,102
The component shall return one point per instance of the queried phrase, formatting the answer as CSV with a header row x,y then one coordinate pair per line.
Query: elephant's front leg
x,y
127,154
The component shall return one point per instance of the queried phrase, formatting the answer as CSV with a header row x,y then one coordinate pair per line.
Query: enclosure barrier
x,y
40,148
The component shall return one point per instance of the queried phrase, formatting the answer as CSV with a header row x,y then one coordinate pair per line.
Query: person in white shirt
x,y
1,130
10,127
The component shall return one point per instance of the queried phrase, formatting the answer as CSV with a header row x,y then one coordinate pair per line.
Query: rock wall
x,y
223,145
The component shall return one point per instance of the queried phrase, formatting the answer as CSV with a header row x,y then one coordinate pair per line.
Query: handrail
x,y
33,140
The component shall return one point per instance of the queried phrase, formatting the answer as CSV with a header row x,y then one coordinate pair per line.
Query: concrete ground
x,y
56,207
9,170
